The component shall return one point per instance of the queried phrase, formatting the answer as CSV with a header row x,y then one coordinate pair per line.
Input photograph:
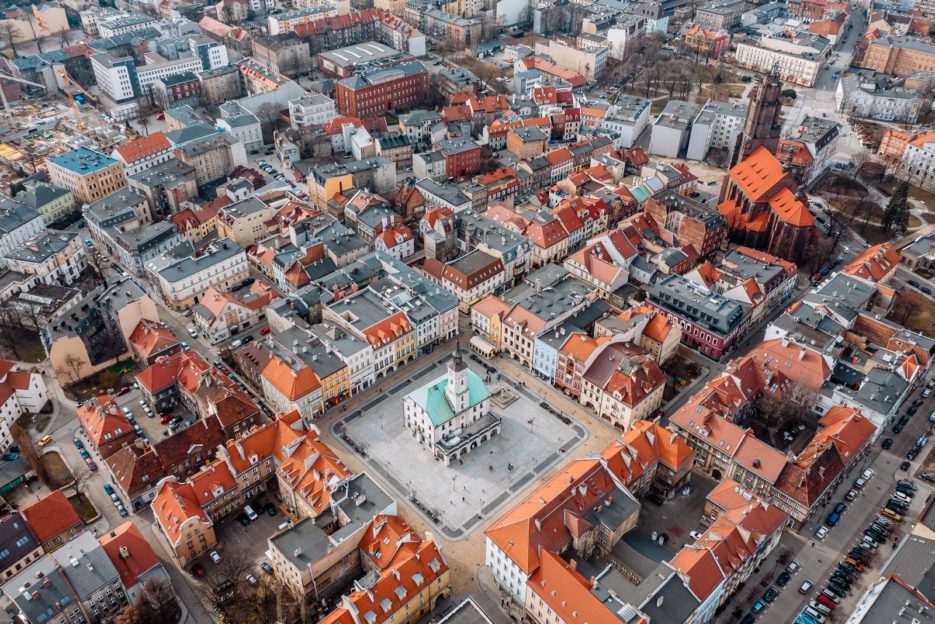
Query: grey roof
x,y
913,562
14,215
359,500
418,289
843,294
715,108
447,192
186,116
207,143
905,41
39,194
341,341
42,598
379,75
190,133
146,237
629,107
671,602
359,54
303,544
367,307
86,565
167,175
16,539
677,114
529,133
745,267
245,207
457,145
42,246
707,308
174,79
115,208
223,249
880,390
295,343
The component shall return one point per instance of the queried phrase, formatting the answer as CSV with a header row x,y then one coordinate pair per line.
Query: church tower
x,y
762,125
457,389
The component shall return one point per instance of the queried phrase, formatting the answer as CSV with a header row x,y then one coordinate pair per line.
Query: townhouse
x,y
182,281
469,278
143,153
21,392
219,315
105,425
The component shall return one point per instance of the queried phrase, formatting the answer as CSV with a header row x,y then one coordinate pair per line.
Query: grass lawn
x,y
914,222
83,507
59,474
28,347
874,234
731,90
923,196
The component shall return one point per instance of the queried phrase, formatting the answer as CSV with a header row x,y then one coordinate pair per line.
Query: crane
x,y
6,104
74,104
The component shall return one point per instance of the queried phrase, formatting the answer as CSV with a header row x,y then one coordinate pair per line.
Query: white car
x,y
822,532
695,535
215,557
250,578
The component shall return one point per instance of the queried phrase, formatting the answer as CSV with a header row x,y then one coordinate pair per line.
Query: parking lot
x,y
153,428
235,539
463,494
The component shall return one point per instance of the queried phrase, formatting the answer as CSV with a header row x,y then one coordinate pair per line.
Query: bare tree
x,y
71,368
80,480
29,451
157,605
62,38
11,324
9,32
787,407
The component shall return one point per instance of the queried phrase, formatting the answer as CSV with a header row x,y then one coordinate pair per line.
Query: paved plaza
x,y
458,497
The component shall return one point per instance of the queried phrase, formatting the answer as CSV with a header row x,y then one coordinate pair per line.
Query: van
x,y
817,606
247,509
892,515
814,614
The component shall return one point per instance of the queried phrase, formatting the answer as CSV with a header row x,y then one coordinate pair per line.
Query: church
x,y
451,414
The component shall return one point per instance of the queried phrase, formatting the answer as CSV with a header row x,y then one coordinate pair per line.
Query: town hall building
x,y
451,414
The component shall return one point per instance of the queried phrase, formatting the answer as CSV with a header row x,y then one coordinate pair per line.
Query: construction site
x,y
37,127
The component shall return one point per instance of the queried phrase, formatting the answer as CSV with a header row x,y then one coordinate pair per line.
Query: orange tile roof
x,y
922,139
546,235
701,568
874,263
634,386
793,361
395,235
567,593
791,210
580,346
140,557
168,370
388,540
490,306
51,516
103,421
174,505
149,338
144,147
559,156
291,383
758,174
310,468
395,587
388,330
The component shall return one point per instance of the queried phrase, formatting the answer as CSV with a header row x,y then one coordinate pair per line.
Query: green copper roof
x,y
431,397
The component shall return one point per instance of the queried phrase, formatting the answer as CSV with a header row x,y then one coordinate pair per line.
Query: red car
x,y
264,331
122,391
826,602
198,570
166,418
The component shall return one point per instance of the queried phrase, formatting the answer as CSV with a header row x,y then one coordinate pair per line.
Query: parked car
x,y
78,443
266,567
45,440
771,594
905,465
758,607
839,508
783,579
851,495
198,570
215,557
822,532
793,567
805,586
887,443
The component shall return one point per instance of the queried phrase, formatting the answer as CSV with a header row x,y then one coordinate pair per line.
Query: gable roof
x,y
51,516
874,263
129,552
758,174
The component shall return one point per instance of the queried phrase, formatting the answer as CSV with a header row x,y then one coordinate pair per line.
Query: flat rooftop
x,y
83,161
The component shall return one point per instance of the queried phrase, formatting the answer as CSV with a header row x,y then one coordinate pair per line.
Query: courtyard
x,y
457,498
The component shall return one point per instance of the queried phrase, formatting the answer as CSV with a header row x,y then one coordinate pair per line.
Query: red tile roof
x,y
145,147
129,552
51,516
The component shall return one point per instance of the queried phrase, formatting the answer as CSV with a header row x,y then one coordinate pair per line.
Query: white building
x,y
861,98
123,23
627,30
242,125
671,129
918,163
286,22
114,76
51,257
395,239
798,60
18,224
451,414
626,118
715,127
153,71
21,392
182,281
311,110
143,153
